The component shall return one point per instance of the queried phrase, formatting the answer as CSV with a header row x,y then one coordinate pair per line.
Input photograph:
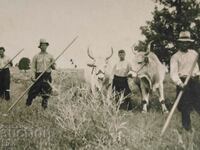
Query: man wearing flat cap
x,y
40,63
5,63
120,80
180,66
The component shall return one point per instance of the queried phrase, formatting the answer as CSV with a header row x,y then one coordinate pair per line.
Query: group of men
x,y
180,65
42,64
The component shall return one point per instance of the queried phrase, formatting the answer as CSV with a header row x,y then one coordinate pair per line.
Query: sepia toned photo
x,y
99,75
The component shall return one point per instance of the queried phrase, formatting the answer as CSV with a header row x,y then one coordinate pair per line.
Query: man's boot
x,y
29,102
44,103
7,95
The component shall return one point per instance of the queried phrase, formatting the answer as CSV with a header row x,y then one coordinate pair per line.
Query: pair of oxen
x,y
146,67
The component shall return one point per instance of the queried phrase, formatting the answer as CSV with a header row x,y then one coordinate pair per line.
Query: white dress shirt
x,y
181,64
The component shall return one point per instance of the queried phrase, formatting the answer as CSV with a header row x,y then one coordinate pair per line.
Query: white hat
x,y
185,36
43,41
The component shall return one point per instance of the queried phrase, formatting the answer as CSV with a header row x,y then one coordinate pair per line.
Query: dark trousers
x,y
190,100
40,87
120,85
5,83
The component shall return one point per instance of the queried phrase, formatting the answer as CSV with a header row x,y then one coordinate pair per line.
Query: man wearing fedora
x,y
5,63
40,63
181,64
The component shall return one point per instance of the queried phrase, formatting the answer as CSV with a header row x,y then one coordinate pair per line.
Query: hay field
x,y
75,120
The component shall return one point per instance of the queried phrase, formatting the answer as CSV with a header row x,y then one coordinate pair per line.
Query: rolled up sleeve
x,y
34,64
174,71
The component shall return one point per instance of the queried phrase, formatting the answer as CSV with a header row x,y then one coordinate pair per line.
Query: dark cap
x,y
2,48
121,51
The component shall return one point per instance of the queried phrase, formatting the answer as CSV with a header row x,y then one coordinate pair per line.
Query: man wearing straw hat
x,y
40,63
181,64
5,63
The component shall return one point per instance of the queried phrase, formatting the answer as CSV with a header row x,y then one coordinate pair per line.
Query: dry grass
x,y
77,120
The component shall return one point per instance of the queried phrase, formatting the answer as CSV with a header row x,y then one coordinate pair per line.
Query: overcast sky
x,y
99,24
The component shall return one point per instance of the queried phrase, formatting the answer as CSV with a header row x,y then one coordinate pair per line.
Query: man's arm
x,y
34,67
129,70
53,66
9,62
174,71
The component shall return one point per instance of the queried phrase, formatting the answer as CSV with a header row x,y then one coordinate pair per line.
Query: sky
x,y
100,25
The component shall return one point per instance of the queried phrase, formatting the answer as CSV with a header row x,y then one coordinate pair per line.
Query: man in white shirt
x,y
40,64
120,79
5,63
180,66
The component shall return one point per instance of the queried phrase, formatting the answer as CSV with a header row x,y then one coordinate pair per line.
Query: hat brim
x,y
186,40
43,43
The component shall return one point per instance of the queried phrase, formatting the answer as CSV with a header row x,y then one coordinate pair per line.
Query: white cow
x,y
100,73
150,74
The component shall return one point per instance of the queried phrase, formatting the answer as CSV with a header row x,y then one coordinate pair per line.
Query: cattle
x,y
150,74
100,72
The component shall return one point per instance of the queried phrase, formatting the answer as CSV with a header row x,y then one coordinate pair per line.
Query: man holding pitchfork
x,y
40,64
5,63
180,65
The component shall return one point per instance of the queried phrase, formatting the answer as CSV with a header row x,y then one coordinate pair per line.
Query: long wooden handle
x,y
11,107
178,98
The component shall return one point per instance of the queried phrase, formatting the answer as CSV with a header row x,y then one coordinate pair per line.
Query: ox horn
x,y
88,52
149,47
110,54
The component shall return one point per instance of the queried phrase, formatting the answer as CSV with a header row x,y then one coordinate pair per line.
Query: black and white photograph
x,y
100,75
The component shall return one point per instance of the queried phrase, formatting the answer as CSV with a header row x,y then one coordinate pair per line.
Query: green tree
x,y
24,64
169,18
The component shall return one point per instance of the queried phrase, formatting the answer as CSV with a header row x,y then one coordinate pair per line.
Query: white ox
x,y
150,74
100,73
